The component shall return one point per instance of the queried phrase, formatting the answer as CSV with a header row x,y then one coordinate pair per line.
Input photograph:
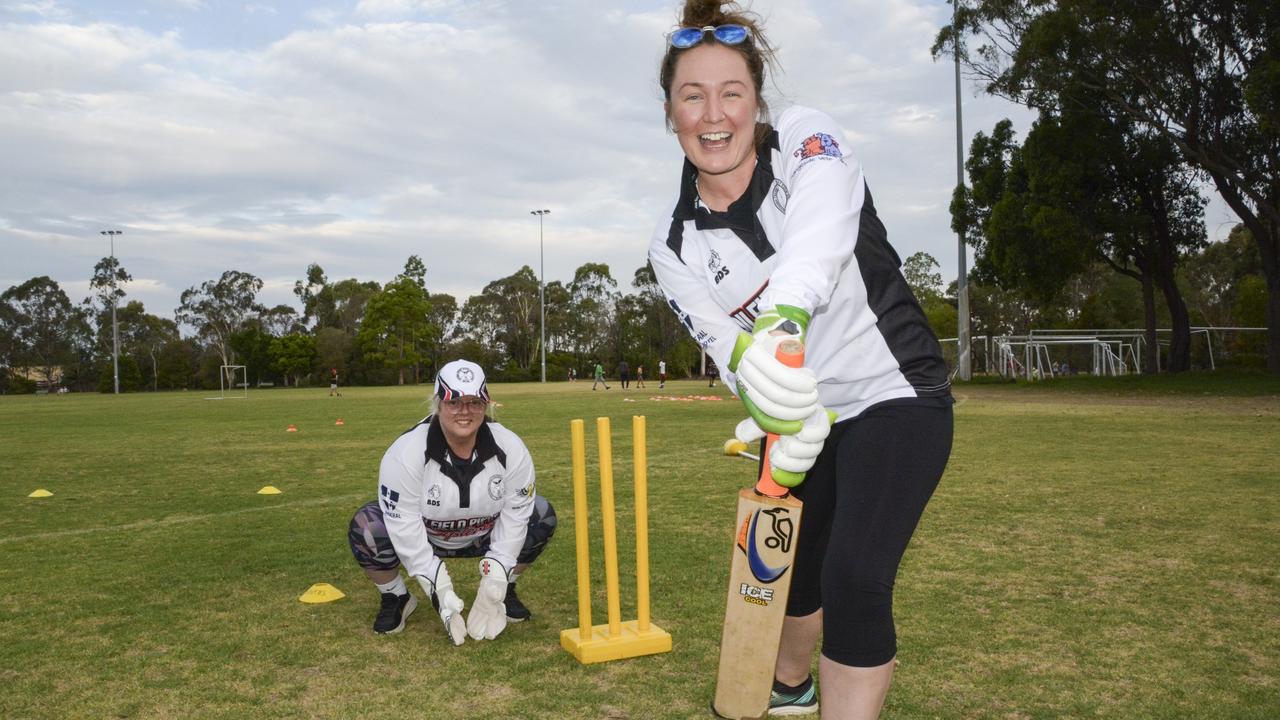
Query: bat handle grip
x,y
790,353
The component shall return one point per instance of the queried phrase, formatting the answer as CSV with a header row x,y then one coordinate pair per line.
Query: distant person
x,y
333,382
599,380
624,374
713,372
662,374
639,376
573,375
456,485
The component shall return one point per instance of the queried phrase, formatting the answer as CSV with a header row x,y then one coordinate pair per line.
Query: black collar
x,y
741,217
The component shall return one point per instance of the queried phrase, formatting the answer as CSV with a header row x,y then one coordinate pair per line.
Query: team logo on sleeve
x,y
817,145
528,490
495,487
389,497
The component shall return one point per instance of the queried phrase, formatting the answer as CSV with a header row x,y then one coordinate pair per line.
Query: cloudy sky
x,y
264,136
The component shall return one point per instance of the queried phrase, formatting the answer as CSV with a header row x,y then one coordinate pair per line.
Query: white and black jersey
x,y
804,234
425,492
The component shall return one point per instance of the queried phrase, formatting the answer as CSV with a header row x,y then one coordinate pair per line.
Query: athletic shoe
x,y
394,611
516,611
794,703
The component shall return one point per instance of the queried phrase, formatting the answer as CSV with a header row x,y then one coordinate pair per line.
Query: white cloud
x,y
401,8
49,9
418,127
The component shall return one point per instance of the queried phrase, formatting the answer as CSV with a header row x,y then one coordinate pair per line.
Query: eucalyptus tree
x,y
217,309
1205,76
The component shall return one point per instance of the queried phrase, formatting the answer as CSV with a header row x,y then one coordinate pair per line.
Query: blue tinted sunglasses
x,y
688,37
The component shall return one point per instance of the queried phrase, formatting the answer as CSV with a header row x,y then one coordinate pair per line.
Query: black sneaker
x,y
394,611
516,611
798,701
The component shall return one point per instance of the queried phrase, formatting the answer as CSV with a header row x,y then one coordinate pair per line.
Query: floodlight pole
x,y
542,296
115,335
962,281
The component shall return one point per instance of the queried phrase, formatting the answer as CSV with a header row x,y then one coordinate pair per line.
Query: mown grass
x,y
1093,551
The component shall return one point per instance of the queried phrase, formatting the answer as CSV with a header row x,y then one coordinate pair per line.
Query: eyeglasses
x,y
688,37
465,405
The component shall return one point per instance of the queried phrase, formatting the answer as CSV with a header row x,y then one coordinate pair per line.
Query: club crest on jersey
x,y
495,487
433,496
713,261
780,196
762,544
389,497
818,145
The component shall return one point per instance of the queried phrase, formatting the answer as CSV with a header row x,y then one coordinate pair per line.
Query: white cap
x,y
459,379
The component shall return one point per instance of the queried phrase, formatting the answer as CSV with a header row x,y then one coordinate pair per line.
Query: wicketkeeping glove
x,y
447,603
777,397
791,456
488,615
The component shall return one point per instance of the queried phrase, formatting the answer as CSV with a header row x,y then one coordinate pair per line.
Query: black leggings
x,y
862,501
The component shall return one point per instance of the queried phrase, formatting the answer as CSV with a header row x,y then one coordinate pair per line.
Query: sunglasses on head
x,y
690,36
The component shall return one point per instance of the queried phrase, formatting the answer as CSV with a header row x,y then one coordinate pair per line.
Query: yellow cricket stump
x,y
615,639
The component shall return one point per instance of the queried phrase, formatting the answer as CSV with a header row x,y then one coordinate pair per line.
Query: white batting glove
x,y
791,456
488,615
447,603
777,396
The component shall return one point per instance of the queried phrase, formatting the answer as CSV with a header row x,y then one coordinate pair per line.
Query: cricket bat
x,y
759,582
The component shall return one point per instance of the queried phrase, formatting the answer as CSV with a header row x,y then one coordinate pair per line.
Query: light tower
x,y
542,289
115,335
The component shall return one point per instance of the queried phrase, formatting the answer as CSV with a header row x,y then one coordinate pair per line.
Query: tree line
x,y
371,333
1138,104
398,332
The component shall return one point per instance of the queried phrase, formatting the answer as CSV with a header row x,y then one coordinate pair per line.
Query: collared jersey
x,y
428,496
805,233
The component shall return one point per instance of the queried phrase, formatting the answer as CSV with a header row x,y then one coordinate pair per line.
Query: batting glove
x,y
778,397
488,615
791,456
447,603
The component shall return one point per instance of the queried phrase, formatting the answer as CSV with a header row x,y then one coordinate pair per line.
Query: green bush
x,y
17,385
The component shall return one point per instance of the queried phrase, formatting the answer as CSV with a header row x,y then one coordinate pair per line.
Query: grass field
x,y
1094,550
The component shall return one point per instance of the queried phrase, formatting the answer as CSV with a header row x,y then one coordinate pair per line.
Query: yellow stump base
x,y
629,643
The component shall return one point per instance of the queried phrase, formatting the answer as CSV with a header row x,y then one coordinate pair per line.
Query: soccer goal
x,y
228,387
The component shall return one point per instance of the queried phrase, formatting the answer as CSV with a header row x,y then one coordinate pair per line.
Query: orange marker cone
x,y
292,428
339,422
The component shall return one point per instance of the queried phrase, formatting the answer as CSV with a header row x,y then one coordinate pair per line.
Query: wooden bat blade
x,y
756,602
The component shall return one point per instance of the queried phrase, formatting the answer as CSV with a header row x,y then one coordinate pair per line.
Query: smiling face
x,y
460,419
713,108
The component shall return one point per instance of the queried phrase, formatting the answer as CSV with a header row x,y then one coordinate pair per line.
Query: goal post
x,y
227,385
